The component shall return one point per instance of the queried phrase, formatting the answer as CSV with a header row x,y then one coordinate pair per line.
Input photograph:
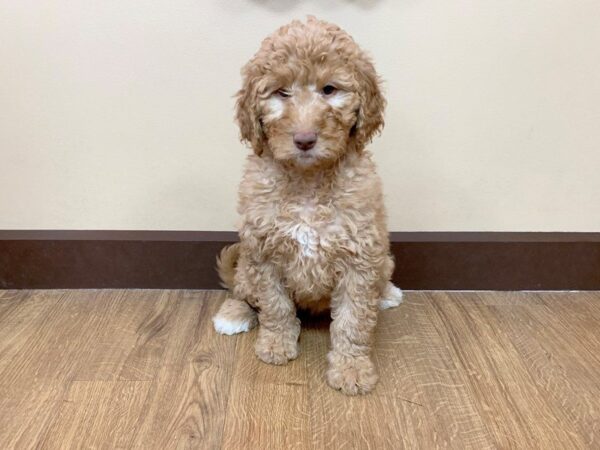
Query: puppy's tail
x,y
226,263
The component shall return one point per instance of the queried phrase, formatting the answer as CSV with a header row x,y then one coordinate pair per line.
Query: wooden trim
x,y
117,235
31,259
491,236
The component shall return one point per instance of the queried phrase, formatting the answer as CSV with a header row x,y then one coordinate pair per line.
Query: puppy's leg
x,y
354,312
279,327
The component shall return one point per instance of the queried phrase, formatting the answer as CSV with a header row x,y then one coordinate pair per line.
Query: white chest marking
x,y
307,238
304,234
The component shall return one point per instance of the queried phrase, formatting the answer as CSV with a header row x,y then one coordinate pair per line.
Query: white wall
x,y
118,114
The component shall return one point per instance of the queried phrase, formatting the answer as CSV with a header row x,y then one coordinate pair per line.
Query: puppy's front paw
x,y
351,375
276,348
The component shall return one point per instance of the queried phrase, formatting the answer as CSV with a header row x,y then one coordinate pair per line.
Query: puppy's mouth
x,y
306,157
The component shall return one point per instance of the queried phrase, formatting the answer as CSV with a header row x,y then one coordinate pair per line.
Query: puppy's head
x,y
309,95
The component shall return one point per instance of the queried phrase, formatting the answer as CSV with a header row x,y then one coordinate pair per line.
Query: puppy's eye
x,y
282,93
328,89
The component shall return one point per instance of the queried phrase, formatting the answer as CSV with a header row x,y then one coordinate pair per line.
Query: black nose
x,y
305,140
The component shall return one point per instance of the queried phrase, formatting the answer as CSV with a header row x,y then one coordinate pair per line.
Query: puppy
x,y
313,229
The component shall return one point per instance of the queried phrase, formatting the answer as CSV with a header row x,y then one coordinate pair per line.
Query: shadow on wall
x,y
286,5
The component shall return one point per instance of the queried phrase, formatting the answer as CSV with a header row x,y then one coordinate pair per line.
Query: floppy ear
x,y
372,104
247,115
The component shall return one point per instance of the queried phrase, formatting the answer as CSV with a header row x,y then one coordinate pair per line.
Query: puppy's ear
x,y
372,104
247,114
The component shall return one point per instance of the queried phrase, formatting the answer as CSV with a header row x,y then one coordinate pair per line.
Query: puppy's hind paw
x,y
234,317
392,297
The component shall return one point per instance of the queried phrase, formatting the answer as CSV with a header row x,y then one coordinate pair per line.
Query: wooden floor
x,y
144,369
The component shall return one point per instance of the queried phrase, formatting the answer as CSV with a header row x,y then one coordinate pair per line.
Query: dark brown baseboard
x,y
56,259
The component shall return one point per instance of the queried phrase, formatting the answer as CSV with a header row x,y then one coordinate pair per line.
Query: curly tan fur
x,y
313,229
226,262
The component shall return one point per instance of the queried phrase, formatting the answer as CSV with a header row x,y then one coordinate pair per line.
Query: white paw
x,y
392,297
229,327
234,317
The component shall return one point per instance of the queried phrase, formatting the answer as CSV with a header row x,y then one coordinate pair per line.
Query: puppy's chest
x,y
307,229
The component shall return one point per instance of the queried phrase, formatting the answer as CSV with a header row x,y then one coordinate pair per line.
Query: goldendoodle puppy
x,y
313,229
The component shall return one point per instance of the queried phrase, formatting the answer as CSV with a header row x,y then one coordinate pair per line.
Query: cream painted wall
x,y
118,114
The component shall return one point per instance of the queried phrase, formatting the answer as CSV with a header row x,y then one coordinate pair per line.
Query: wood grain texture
x,y
144,369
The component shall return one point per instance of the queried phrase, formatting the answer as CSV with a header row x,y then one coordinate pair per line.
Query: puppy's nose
x,y
305,140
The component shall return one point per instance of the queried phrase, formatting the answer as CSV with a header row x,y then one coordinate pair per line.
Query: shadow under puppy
x,y
313,231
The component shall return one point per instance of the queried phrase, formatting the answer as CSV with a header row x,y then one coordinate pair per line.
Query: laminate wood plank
x,y
59,342
564,374
441,385
385,419
129,342
145,369
188,399
22,315
418,392
577,318
11,300
38,353
98,414
514,410
27,412
268,405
